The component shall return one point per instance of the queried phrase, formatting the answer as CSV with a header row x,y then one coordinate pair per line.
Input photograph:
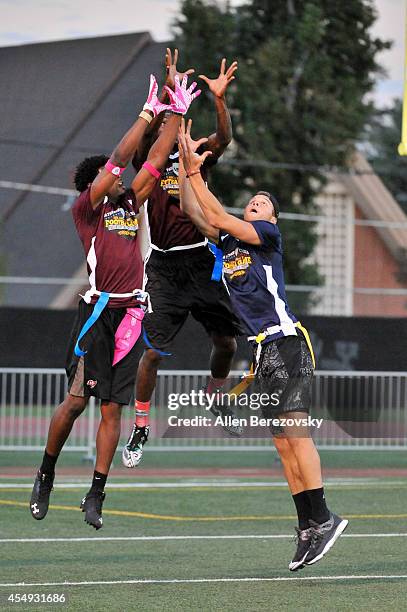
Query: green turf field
x,y
204,543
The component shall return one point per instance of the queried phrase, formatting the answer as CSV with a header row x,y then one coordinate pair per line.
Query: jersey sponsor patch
x,y
169,179
121,221
236,263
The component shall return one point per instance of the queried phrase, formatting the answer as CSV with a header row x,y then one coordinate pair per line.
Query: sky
x,y
23,21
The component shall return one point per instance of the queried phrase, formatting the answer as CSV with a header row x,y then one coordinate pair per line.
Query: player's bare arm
x,y
188,202
119,159
218,141
213,210
181,99
124,151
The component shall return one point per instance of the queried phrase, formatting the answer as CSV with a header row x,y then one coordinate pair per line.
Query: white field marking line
x,y
209,484
188,537
203,580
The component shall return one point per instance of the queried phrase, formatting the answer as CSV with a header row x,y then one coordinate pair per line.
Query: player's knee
x,y
111,412
226,344
151,358
301,445
74,405
283,447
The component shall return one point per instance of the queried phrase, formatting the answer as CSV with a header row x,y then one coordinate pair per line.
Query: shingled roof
x,y
60,102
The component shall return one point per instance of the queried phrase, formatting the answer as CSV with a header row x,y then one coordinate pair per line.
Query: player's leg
x,y
294,479
59,430
326,526
222,353
62,419
147,375
300,498
210,306
118,386
286,368
62,422
107,439
169,297
132,452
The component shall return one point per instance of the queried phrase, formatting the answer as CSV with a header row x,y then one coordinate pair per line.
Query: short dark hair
x,y
87,171
273,200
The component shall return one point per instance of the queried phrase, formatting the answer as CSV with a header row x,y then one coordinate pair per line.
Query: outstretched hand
x,y
182,97
219,85
188,147
153,104
171,68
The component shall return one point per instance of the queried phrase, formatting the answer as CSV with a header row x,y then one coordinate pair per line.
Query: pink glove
x,y
153,104
182,97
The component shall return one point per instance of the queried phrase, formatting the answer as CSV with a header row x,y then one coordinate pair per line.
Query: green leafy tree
x,y
383,138
305,67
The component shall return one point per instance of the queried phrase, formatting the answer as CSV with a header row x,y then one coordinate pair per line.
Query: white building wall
x,y
334,254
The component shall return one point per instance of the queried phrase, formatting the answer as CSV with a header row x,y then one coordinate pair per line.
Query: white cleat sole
x,y
339,530
296,565
129,461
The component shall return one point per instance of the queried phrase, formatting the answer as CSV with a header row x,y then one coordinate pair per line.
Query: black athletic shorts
x,y
94,374
285,374
180,283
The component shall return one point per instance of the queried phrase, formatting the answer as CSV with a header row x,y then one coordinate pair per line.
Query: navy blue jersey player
x,y
256,271
283,359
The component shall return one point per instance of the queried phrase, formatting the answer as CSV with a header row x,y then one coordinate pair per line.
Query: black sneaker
x,y
227,415
132,453
92,505
303,540
40,495
324,537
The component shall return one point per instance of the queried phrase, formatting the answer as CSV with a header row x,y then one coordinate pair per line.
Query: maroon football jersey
x,y
109,238
169,226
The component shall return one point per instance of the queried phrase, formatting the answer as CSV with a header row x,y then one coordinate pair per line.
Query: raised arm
x,y
213,210
181,100
151,132
218,141
124,151
188,202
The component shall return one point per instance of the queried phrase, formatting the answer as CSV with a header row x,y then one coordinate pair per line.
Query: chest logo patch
x,y
121,221
236,263
169,180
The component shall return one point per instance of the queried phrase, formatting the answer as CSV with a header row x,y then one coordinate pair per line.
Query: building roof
x,y
68,99
377,203
63,101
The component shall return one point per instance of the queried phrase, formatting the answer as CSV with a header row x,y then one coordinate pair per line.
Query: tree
x,y
383,138
299,97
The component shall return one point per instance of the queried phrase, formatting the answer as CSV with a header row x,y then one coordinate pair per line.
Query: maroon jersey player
x,y
179,272
105,215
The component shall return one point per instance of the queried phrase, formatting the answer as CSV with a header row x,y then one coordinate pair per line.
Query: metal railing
x,y
360,410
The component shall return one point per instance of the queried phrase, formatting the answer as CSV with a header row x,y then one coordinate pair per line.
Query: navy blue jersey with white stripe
x,y
255,279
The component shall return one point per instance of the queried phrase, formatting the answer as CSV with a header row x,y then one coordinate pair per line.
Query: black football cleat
x,y
324,537
133,451
230,423
303,539
91,504
39,502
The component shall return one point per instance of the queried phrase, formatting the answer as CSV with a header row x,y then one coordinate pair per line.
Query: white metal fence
x,y
360,410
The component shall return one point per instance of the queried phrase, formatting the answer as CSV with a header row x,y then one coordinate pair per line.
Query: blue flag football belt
x,y
97,311
218,265
104,299
100,306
